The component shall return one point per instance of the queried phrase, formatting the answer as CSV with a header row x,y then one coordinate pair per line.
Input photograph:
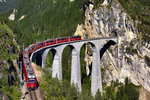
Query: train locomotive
x,y
30,77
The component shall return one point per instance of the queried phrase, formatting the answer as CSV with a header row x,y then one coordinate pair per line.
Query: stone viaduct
x,y
99,45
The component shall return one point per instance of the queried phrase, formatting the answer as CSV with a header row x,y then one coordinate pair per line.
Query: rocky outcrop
x,y
8,52
7,74
12,16
8,71
127,58
3,1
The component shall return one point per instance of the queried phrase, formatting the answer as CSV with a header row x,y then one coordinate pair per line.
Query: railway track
x,y
28,95
33,95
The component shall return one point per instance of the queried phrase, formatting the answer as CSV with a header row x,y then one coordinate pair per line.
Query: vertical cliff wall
x,y
127,59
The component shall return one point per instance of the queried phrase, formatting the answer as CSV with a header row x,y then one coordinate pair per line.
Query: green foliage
x,y
110,93
97,3
12,92
49,60
6,40
11,24
56,90
53,89
98,96
129,50
119,91
147,60
128,92
103,72
66,63
125,97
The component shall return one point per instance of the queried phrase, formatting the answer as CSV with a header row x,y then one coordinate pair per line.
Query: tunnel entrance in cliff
x,y
105,47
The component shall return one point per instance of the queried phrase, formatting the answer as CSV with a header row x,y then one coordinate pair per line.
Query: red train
x,y
30,76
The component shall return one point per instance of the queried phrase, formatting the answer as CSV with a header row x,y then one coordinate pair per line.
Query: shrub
x,y
147,60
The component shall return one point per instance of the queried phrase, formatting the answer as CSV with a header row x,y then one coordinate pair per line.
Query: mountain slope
x,y
8,52
47,19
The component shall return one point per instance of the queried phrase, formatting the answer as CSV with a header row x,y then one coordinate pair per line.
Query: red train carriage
x,y
27,49
32,47
30,77
40,44
50,42
74,38
62,39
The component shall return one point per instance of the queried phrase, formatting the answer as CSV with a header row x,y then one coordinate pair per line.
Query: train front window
x,y
31,80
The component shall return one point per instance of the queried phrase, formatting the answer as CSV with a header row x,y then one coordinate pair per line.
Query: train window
x,y
49,41
40,43
75,37
33,47
31,80
63,38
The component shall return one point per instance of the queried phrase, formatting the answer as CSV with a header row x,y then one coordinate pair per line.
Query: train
x,y
30,77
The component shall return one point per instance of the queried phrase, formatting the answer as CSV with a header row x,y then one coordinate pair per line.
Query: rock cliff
x,y
2,0
127,59
8,52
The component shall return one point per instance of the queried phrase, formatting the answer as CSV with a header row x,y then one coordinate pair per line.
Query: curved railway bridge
x,y
99,45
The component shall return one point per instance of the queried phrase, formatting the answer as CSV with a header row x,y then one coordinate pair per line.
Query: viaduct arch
x,y
99,49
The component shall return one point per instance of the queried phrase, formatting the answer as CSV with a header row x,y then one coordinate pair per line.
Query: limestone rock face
x,y
127,58
12,16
